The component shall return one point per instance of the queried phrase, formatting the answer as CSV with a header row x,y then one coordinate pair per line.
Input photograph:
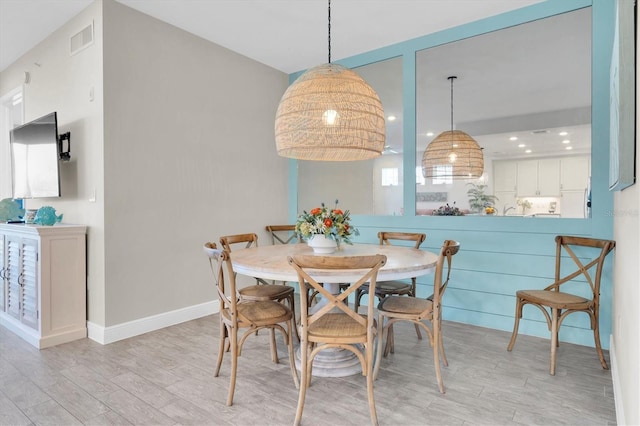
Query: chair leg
x,y
369,367
380,341
436,358
515,324
292,359
356,302
390,342
221,348
304,354
234,365
441,345
418,333
596,337
554,340
274,349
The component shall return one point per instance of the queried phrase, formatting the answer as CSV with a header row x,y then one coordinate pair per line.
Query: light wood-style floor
x,y
166,378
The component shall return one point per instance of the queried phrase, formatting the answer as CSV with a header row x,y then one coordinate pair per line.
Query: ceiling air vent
x,y
82,40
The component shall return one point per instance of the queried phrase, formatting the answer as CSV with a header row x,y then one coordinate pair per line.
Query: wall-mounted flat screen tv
x,y
34,158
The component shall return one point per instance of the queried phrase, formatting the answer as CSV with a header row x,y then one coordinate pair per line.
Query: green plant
x,y
478,200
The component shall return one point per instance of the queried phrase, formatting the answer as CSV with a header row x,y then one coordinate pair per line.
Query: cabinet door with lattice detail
x,y
12,275
3,281
29,282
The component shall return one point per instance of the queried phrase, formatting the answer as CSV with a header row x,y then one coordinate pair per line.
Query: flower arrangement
x,y
332,223
447,211
525,204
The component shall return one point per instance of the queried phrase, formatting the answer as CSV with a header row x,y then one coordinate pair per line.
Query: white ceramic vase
x,y
321,244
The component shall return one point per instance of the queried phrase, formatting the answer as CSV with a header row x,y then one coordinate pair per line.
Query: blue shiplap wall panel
x,y
501,255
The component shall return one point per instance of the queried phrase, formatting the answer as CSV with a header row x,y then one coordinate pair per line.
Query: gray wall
x,y
189,156
178,148
61,82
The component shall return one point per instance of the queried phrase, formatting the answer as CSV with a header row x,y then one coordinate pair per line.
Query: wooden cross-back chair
x,y
263,290
424,313
394,288
286,234
336,324
557,304
237,315
283,234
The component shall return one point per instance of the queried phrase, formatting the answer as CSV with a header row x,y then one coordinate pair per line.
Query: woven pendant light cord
x,y
329,24
452,78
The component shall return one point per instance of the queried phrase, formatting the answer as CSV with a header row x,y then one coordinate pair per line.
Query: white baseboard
x,y
615,378
106,335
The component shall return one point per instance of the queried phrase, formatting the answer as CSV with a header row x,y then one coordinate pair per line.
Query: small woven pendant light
x,y
330,114
454,148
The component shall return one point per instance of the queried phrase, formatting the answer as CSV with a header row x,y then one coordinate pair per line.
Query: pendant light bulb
x,y
330,117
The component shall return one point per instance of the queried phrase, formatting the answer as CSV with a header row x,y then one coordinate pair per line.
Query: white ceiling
x,y
291,35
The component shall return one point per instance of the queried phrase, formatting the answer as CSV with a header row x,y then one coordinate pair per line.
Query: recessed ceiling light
x,y
563,133
455,145
429,133
391,118
513,138
566,141
528,151
568,148
521,145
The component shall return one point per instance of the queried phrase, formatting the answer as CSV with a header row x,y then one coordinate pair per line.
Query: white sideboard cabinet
x,y
43,293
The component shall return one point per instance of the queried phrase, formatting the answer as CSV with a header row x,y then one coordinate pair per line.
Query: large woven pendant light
x,y
330,114
454,148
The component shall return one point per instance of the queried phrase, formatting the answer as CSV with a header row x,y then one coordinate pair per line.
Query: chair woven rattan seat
x,y
391,287
265,292
408,305
337,325
262,312
557,299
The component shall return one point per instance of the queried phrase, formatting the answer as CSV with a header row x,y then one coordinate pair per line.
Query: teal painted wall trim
x,y
500,255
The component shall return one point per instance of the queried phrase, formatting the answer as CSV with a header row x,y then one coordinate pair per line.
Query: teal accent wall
x,y
502,255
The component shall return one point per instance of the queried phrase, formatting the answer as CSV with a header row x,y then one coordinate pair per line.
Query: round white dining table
x,y
270,263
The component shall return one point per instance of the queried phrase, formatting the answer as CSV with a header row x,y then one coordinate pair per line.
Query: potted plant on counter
x,y
478,200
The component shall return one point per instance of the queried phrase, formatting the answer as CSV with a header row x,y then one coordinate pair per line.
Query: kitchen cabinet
x,y
574,173
504,176
43,273
538,178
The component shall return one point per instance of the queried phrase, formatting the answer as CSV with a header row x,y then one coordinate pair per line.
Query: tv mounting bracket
x,y
64,155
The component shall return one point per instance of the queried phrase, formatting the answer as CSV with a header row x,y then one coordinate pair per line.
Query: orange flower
x,y
315,211
337,211
328,222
